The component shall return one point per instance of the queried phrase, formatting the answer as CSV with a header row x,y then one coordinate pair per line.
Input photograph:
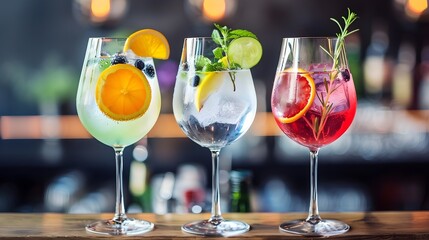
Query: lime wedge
x,y
245,51
209,83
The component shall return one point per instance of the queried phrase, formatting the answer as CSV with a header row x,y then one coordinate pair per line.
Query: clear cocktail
x,y
118,101
214,103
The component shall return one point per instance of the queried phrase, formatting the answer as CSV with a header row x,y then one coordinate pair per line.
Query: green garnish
x,y
341,37
223,36
317,124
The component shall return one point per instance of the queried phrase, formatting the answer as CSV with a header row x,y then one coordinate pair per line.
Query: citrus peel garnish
x,y
123,92
305,93
208,84
245,51
148,43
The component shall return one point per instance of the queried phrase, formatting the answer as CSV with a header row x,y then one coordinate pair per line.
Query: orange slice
x,y
303,95
148,43
123,92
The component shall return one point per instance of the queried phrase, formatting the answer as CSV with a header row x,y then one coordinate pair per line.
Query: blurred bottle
x,y
139,186
194,200
423,97
100,200
240,191
276,196
189,190
402,79
63,191
374,64
163,200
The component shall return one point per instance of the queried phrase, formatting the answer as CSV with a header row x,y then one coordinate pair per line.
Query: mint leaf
x,y
213,67
216,37
223,30
238,33
222,36
218,53
201,61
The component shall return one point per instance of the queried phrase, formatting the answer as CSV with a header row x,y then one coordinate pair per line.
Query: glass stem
x,y
216,217
120,215
313,211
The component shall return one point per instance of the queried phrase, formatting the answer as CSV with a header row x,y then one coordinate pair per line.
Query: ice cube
x,y
338,96
322,81
223,109
207,114
232,109
320,77
130,54
319,67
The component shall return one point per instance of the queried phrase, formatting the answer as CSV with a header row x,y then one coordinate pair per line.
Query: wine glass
x,y
112,81
213,108
313,102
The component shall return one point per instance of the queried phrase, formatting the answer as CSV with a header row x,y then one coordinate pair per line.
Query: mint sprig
x,y
222,36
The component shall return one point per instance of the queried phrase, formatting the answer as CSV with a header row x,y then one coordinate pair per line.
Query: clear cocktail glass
x,y
313,102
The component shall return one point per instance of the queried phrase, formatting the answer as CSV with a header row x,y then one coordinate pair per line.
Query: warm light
x,y
415,7
100,9
100,12
70,127
214,10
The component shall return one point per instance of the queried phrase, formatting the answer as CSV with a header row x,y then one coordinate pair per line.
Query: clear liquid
x,y
226,114
109,131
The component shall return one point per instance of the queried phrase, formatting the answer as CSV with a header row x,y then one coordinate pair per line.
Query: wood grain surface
x,y
367,225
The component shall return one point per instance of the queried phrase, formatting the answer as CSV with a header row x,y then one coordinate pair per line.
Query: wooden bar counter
x,y
366,225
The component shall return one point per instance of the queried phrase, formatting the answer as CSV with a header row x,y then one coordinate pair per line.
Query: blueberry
x,y
149,70
185,66
139,64
346,75
196,81
117,59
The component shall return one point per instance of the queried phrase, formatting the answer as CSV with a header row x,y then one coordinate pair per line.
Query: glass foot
x,y
129,226
321,228
224,228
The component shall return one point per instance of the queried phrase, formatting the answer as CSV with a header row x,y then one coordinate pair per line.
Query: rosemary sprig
x,y
344,32
326,107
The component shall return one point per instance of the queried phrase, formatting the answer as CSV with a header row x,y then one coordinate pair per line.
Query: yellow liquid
x,y
106,130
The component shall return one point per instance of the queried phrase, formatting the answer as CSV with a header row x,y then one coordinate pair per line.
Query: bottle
x,y
402,80
375,64
240,191
139,186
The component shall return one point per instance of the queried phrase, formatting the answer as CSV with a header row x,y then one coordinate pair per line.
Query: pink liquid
x,y
341,95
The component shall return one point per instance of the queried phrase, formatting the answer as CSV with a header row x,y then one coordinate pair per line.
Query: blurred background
x,y
49,163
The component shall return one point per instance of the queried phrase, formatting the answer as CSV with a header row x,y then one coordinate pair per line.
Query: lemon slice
x,y
224,62
123,92
245,51
148,43
208,84
306,90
